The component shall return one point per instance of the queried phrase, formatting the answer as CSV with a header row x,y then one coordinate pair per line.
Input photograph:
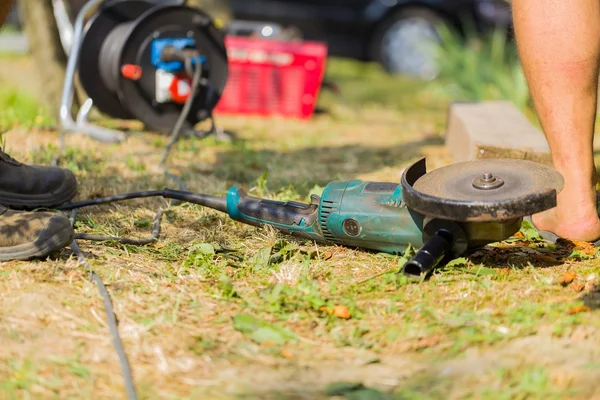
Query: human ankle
x,y
574,169
576,207
578,179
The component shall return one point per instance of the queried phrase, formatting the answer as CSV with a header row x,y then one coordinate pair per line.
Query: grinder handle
x,y
253,210
433,252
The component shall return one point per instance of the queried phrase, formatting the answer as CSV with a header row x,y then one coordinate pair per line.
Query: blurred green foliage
x,y
481,67
18,108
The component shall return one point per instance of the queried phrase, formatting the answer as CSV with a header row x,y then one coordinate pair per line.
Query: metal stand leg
x,y
64,25
220,134
66,119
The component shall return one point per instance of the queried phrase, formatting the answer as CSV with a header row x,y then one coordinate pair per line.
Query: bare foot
x,y
575,217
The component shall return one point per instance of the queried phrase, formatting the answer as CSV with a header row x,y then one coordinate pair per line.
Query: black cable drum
x,y
110,15
110,55
120,33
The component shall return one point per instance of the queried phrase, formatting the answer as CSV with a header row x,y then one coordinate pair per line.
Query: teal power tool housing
x,y
369,215
444,213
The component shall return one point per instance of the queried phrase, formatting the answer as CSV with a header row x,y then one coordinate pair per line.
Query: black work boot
x,y
25,235
27,187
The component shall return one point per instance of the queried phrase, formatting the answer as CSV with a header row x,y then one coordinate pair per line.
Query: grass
x,y
482,67
220,310
20,108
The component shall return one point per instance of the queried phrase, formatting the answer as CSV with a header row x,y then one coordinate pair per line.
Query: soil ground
x,y
516,320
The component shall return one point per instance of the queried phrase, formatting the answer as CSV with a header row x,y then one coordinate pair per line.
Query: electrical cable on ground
x,y
135,242
214,202
156,225
110,318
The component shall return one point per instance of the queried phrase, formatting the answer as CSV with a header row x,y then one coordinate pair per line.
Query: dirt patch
x,y
20,73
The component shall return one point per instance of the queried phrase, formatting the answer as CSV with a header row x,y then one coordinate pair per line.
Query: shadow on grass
x,y
307,167
430,386
302,168
521,254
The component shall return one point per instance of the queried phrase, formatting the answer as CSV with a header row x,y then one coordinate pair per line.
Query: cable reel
x,y
137,60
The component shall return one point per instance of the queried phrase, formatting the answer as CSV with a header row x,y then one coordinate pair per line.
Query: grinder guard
x,y
537,199
454,225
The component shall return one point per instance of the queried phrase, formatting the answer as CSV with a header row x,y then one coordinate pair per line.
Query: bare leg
x,y
559,45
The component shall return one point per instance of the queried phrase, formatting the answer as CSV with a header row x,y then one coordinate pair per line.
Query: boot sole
x,y
30,202
38,248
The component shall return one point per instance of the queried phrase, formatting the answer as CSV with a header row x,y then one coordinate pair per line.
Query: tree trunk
x,y
46,49
5,7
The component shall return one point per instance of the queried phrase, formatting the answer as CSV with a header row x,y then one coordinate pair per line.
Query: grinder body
x,y
355,213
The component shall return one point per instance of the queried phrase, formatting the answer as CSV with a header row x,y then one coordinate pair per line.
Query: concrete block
x,y
493,129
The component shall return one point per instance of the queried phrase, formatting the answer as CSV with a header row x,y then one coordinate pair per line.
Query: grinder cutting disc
x,y
481,190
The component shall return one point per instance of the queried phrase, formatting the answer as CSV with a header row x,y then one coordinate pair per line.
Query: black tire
x,y
427,19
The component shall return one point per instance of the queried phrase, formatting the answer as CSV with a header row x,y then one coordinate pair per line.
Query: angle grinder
x,y
444,213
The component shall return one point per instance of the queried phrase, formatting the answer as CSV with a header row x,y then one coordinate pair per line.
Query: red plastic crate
x,y
271,77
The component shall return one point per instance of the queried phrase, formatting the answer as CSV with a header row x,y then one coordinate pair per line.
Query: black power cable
x,y
135,242
112,322
176,132
212,201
